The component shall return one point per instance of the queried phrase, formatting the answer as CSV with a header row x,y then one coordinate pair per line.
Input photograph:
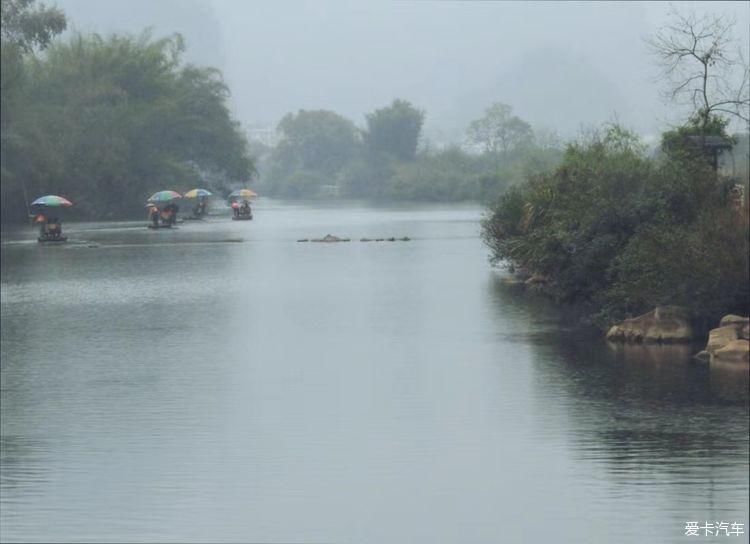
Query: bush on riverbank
x,y
621,232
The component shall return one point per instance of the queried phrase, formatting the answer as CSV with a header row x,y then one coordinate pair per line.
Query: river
x,y
222,382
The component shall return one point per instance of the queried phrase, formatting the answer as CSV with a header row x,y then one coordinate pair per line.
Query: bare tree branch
x,y
700,65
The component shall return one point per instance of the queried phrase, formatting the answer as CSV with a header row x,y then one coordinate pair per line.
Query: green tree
x,y
499,131
394,131
27,26
696,138
108,121
319,142
24,27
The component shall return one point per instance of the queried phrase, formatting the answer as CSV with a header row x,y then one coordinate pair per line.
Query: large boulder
x,y
664,324
728,343
734,320
718,338
736,351
742,324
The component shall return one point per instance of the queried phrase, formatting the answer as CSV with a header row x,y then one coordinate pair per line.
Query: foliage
x,y
320,155
23,27
366,176
499,130
702,265
453,175
26,26
394,130
688,140
109,121
611,227
318,143
449,175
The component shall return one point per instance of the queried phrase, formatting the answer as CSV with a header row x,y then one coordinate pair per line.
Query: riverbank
x,y
621,233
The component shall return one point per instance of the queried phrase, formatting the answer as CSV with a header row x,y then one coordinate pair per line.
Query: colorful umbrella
x,y
52,200
195,193
164,196
243,193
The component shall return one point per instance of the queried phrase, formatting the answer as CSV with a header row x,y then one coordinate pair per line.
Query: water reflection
x,y
651,417
665,374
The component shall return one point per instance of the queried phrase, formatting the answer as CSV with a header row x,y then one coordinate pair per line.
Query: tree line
x,y
323,154
107,121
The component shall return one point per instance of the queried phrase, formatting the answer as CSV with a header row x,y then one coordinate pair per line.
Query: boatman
x,y
153,213
42,221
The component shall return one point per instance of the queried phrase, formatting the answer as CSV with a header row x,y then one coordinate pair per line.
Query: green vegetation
x,y
323,154
108,121
622,233
619,232
315,146
394,131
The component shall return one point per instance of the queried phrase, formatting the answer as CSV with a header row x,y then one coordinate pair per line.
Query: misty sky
x,y
560,65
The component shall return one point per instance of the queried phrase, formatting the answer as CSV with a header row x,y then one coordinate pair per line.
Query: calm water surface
x,y
221,382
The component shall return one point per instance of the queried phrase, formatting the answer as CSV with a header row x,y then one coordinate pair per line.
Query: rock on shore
x,y
729,342
664,324
735,351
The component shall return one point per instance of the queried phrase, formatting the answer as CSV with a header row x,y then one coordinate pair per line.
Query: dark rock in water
x,y
330,238
303,240
391,239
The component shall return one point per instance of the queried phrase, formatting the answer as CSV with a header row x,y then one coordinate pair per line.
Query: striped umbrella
x,y
52,201
243,193
195,193
164,196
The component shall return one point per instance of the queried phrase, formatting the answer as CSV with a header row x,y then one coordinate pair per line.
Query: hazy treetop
x,y
560,65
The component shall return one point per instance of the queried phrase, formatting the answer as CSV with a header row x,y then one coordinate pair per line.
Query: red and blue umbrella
x,y
52,201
